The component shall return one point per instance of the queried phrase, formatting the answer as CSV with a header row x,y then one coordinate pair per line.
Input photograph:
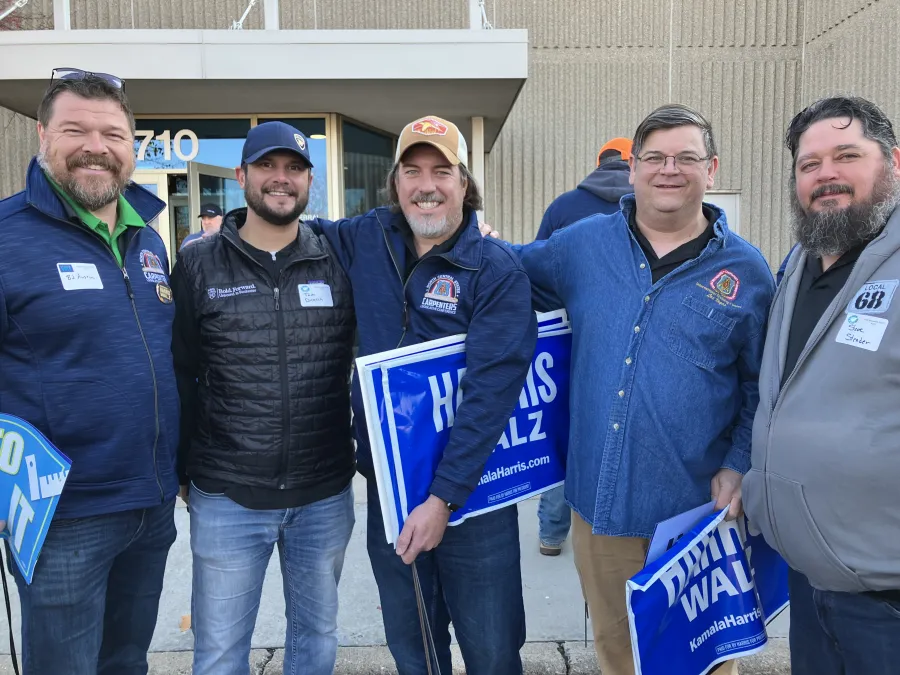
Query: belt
x,y
890,596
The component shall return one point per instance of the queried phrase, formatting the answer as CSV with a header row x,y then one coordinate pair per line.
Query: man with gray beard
x,y
421,270
85,331
825,465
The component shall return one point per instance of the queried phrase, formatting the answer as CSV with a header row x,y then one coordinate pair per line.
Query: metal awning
x,y
384,78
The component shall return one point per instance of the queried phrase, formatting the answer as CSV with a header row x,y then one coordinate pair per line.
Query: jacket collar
x,y
308,244
469,247
720,225
41,195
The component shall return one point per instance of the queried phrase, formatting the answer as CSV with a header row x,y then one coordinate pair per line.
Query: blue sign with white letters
x,y
32,476
706,600
411,396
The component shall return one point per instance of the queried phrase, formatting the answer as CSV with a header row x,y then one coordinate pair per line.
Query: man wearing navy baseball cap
x,y
263,343
210,222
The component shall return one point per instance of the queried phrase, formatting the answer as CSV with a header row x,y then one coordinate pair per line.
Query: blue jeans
x,y
554,517
841,633
231,548
91,607
473,578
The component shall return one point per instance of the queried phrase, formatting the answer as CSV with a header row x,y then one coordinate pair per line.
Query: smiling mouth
x,y
279,193
668,187
428,206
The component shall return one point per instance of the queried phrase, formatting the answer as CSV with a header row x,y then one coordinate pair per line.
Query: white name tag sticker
x,y
79,276
315,295
874,297
862,331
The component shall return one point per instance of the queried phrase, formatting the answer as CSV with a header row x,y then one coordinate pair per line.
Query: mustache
x,y
831,189
427,197
86,160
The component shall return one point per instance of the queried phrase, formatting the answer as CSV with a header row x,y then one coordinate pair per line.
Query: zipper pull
x,y
128,283
277,305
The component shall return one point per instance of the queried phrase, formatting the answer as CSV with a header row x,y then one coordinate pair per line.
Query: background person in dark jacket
x,y
85,332
598,193
395,257
263,345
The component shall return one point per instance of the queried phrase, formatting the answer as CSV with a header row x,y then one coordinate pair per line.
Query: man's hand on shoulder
x,y
487,230
424,529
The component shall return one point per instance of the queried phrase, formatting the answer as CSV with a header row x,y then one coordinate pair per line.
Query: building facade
x,y
536,96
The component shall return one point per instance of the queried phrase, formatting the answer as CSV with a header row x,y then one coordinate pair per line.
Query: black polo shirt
x,y
817,290
660,267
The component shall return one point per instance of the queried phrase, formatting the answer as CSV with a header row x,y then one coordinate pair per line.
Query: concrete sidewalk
x,y
553,604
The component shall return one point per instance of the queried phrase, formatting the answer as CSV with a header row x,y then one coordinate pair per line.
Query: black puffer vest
x,y
274,385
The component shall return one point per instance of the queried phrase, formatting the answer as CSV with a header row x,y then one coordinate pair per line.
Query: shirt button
x,y
281,487
643,265
621,394
628,361
637,329
615,427
646,298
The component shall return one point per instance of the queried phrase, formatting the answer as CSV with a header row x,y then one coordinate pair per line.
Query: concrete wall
x,y
596,68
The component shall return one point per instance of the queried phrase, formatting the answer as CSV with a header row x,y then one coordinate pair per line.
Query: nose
x,y
94,144
827,171
665,168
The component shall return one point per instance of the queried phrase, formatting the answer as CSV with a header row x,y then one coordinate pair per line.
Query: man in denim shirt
x,y
668,309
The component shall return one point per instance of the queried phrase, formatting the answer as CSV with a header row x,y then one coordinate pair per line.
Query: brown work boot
x,y
551,549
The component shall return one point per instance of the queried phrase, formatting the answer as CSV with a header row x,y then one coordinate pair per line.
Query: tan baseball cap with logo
x,y
437,132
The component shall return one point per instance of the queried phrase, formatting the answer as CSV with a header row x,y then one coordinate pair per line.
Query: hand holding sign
x,y
423,530
726,491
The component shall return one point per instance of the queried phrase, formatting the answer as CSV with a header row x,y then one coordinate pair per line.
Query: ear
x,y
711,171
42,133
895,158
631,165
240,176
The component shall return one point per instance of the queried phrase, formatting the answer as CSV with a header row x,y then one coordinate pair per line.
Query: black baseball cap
x,y
210,210
271,136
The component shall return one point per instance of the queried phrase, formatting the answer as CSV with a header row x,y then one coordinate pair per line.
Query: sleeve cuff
x,y
450,492
737,460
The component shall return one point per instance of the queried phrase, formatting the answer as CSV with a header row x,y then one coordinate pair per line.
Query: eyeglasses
x,y
683,160
78,74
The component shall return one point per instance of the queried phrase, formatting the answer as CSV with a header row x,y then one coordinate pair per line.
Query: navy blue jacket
x,y
90,368
600,192
490,300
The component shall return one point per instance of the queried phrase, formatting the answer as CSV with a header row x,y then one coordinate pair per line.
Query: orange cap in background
x,y
622,145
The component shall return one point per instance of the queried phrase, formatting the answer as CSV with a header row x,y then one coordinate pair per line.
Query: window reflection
x,y
368,157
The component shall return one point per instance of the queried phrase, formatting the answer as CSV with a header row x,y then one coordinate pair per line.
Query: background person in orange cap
x,y
598,193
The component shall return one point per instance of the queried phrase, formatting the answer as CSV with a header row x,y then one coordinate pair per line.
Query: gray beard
x,y
92,195
433,228
834,232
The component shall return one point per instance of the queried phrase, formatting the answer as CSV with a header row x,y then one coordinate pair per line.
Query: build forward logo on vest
x,y
230,292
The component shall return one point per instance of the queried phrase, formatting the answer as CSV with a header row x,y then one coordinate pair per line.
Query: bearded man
x,y
825,460
85,330
263,344
420,270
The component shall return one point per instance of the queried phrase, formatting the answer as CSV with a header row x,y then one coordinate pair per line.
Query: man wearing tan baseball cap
x,y
420,270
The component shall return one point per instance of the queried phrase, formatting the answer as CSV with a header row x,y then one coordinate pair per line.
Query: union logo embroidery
x,y
726,284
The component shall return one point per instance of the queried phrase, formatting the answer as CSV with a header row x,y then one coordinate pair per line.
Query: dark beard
x,y
256,203
836,231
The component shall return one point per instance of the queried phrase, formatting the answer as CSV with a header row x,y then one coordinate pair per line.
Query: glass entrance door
x,y
208,184
157,182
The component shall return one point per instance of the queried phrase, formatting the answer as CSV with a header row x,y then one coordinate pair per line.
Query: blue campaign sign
x,y
411,397
32,476
699,603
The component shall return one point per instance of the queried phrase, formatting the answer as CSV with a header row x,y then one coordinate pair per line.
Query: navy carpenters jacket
x,y
478,288
91,368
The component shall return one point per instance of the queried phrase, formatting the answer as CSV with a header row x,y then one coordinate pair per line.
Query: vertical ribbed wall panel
x,y
825,15
18,144
587,23
749,102
859,57
171,14
737,23
391,14
566,111
298,14
36,15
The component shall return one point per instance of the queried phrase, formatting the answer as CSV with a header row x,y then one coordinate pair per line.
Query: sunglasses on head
x,y
78,74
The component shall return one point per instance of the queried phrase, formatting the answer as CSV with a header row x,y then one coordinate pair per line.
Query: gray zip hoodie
x,y
825,476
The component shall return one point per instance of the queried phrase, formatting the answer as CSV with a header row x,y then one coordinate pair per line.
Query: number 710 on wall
x,y
169,144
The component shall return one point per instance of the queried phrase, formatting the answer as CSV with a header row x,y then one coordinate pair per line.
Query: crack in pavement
x,y
270,654
561,646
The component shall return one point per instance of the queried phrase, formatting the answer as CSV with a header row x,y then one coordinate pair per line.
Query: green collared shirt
x,y
127,217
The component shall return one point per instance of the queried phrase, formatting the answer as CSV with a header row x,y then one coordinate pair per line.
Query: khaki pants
x,y
604,565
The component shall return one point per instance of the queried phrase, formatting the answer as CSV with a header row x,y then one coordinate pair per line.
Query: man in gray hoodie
x,y
826,439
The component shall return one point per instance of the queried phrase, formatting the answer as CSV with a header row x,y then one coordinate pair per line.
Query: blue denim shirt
x,y
664,375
